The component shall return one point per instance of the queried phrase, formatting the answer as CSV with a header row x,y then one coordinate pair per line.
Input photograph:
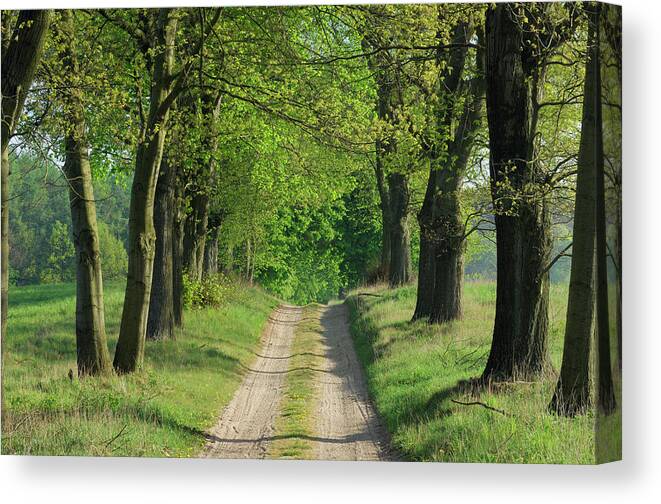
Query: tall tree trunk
x,y
384,204
572,393
448,251
19,62
400,242
91,343
197,224
130,347
450,81
195,234
441,283
383,147
177,256
160,322
426,262
519,345
606,392
211,253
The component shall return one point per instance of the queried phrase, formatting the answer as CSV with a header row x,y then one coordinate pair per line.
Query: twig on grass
x,y
368,294
114,438
480,403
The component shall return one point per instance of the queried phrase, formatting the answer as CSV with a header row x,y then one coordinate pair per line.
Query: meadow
x,y
162,411
417,376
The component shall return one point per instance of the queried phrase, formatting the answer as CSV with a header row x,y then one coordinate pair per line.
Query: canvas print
x,y
384,232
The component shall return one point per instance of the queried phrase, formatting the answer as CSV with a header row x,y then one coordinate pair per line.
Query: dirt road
x,y
347,427
246,426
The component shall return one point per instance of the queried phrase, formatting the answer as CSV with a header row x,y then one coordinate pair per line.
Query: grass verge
x,y
295,424
414,369
161,411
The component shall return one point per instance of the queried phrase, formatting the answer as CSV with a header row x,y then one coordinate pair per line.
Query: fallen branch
x,y
368,294
480,403
114,438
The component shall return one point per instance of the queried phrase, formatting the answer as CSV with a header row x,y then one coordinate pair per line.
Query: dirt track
x,y
347,427
246,426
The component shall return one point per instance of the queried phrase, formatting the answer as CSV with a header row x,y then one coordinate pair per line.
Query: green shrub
x,y
211,291
114,259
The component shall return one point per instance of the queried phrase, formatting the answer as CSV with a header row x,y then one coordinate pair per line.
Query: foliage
x,y
41,247
113,253
60,262
209,292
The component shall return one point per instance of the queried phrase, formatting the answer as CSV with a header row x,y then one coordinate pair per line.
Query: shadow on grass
x,y
170,358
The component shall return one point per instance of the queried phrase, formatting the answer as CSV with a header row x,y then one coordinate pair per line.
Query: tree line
x,y
244,130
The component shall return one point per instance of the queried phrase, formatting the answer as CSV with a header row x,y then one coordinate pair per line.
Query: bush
x,y
114,260
212,291
61,260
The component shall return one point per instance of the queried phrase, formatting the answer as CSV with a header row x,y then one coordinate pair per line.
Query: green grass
x,y
295,425
161,411
413,372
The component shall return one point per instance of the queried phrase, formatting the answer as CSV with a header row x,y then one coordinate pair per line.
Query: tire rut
x,y
246,426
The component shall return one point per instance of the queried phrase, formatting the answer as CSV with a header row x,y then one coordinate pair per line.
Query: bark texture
x,y
400,240
160,323
384,204
133,329
195,231
572,393
20,58
606,392
91,342
211,252
177,257
519,346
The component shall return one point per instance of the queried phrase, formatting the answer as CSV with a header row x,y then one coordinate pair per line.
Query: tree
x,y
442,231
20,57
518,39
158,42
572,393
199,187
91,343
606,392
161,318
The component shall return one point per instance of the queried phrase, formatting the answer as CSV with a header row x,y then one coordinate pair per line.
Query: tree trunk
x,y
197,224
426,262
130,347
441,258
160,323
572,393
448,252
91,343
195,234
519,346
211,253
400,242
384,203
19,63
606,392
177,256
383,147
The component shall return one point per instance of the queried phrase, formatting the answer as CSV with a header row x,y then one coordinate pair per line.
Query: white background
x,y
636,479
